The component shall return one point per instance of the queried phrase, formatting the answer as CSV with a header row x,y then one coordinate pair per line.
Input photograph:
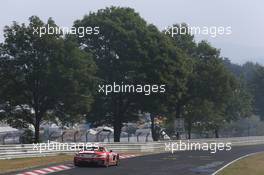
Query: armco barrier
x,y
29,150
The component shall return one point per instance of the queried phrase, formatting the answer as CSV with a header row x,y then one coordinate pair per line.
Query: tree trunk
x,y
178,111
117,129
117,133
37,126
189,130
178,115
153,131
216,133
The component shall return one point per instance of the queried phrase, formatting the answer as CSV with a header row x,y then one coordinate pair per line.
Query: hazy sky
x,y
245,17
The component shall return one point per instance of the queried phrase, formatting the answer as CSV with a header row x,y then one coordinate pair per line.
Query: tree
x,y
41,76
219,86
178,94
166,65
118,51
257,85
212,95
128,51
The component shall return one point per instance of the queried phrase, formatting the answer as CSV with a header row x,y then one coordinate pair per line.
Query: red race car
x,y
96,155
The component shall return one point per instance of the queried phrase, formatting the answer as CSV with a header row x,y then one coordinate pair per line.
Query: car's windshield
x,y
94,148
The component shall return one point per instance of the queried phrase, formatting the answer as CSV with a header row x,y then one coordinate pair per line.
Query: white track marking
x,y
40,171
56,168
251,154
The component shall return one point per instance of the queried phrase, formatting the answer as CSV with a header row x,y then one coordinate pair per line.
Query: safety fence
x,y
42,149
77,136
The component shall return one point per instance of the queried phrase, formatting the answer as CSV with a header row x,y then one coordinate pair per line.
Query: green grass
x,y
25,163
252,165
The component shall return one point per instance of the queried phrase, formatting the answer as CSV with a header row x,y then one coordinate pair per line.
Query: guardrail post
x,y
138,136
76,132
147,137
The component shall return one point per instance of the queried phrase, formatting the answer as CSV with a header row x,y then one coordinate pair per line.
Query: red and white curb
x,y
58,168
48,170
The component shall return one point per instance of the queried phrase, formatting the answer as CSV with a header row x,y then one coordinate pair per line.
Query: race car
x,y
98,155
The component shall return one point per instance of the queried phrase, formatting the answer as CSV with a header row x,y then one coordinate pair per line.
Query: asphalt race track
x,y
179,163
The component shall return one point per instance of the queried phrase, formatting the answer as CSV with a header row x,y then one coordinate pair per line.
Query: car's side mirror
x,y
111,150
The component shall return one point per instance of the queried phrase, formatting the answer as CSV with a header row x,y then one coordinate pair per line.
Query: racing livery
x,y
96,155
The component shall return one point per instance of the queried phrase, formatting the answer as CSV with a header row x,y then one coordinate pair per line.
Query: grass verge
x,y
18,164
26,163
252,165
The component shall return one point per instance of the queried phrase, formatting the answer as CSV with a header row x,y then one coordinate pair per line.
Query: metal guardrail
x,y
76,136
29,150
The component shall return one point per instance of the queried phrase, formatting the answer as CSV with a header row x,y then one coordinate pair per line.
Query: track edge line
x,y
233,161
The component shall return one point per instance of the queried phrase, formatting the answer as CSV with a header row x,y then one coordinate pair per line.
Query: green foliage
x,y
56,77
128,51
257,85
227,98
42,75
213,95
